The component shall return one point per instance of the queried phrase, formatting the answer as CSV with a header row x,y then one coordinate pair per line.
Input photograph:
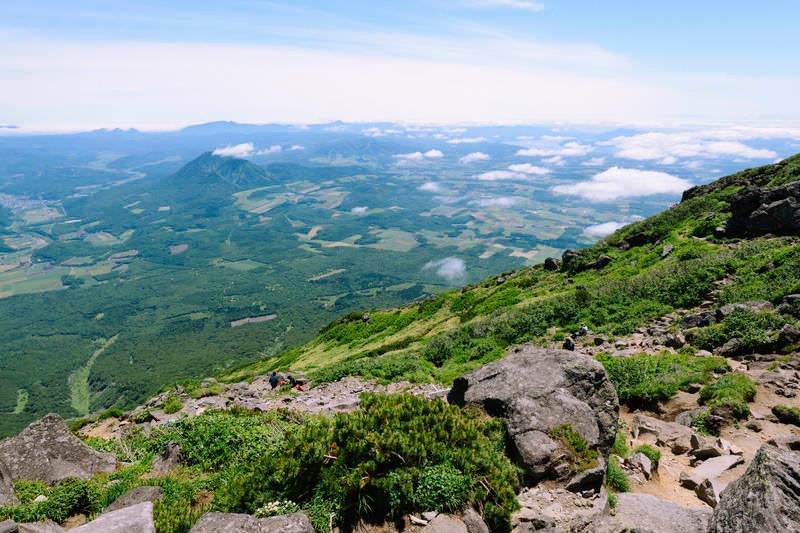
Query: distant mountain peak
x,y
210,169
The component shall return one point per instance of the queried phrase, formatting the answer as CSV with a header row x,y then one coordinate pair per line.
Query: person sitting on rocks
x,y
273,380
569,344
292,382
583,331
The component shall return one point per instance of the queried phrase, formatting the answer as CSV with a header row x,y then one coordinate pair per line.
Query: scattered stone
x,y
785,416
445,524
134,519
8,526
640,462
674,340
235,523
764,499
790,305
732,348
40,498
788,335
47,451
709,469
709,491
589,479
417,521
429,515
707,447
535,390
674,436
146,493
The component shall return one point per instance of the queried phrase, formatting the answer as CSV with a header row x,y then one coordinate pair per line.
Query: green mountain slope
x,y
674,260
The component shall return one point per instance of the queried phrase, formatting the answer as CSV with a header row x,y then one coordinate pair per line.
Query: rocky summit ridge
x,y
675,409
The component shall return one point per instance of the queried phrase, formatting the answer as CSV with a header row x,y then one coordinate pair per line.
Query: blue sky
x,y
162,64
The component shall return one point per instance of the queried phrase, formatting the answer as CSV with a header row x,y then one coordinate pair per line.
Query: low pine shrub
x,y
581,456
731,391
172,404
651,452
616,478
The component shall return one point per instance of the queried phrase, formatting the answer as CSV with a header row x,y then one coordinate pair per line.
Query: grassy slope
x,y
458,330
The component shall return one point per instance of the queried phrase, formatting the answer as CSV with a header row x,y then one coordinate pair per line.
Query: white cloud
x,y
594,162
569,149
527,168
499,175
239,150
433,154
296,147
359,209
529,5
452,269
274,149
667,148
474,156
500,201
467,140
555,160
616,183
603,230
431,186
414,157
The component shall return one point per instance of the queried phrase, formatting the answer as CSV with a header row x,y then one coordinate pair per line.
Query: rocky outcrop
x,y
535,390
244,523
47,451
445,524
134,519
765,499
45,526
756,211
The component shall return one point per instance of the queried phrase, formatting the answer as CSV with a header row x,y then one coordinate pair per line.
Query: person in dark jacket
x,y
273,380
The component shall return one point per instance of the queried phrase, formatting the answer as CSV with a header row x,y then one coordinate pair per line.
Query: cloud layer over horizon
x,y
616,183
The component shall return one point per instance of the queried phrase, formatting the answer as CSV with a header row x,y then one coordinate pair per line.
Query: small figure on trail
x,y
584,330
569,344
292,382
273,380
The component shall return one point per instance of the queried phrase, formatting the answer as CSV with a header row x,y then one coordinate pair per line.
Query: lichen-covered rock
x,y
535,390
47,451
146,493
765,499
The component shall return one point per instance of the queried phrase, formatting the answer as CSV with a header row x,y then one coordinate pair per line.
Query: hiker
x,y
273,380
569,344
292,382
584,330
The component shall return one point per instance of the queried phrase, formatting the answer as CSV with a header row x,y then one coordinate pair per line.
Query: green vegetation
x,y
616,478
752,328
787,414
732,391
581,457
651,452
648,379
620,446
172,404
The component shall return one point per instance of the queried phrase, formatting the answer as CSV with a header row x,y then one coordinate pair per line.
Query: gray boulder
x,y
759,211
135,496
134,519
445,524
170,458
765,499
46,526
755,306
8,526
676,437
244,523
709,491
646,513
47,451
535,390
7,496
474,522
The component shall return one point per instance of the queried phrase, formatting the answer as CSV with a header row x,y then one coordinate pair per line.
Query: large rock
x,y
8,526
474,521
647,514
709,469
534,390
146,493
765,499
46,526
7,497
676,437
244,523
134,519
47,451
757,211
